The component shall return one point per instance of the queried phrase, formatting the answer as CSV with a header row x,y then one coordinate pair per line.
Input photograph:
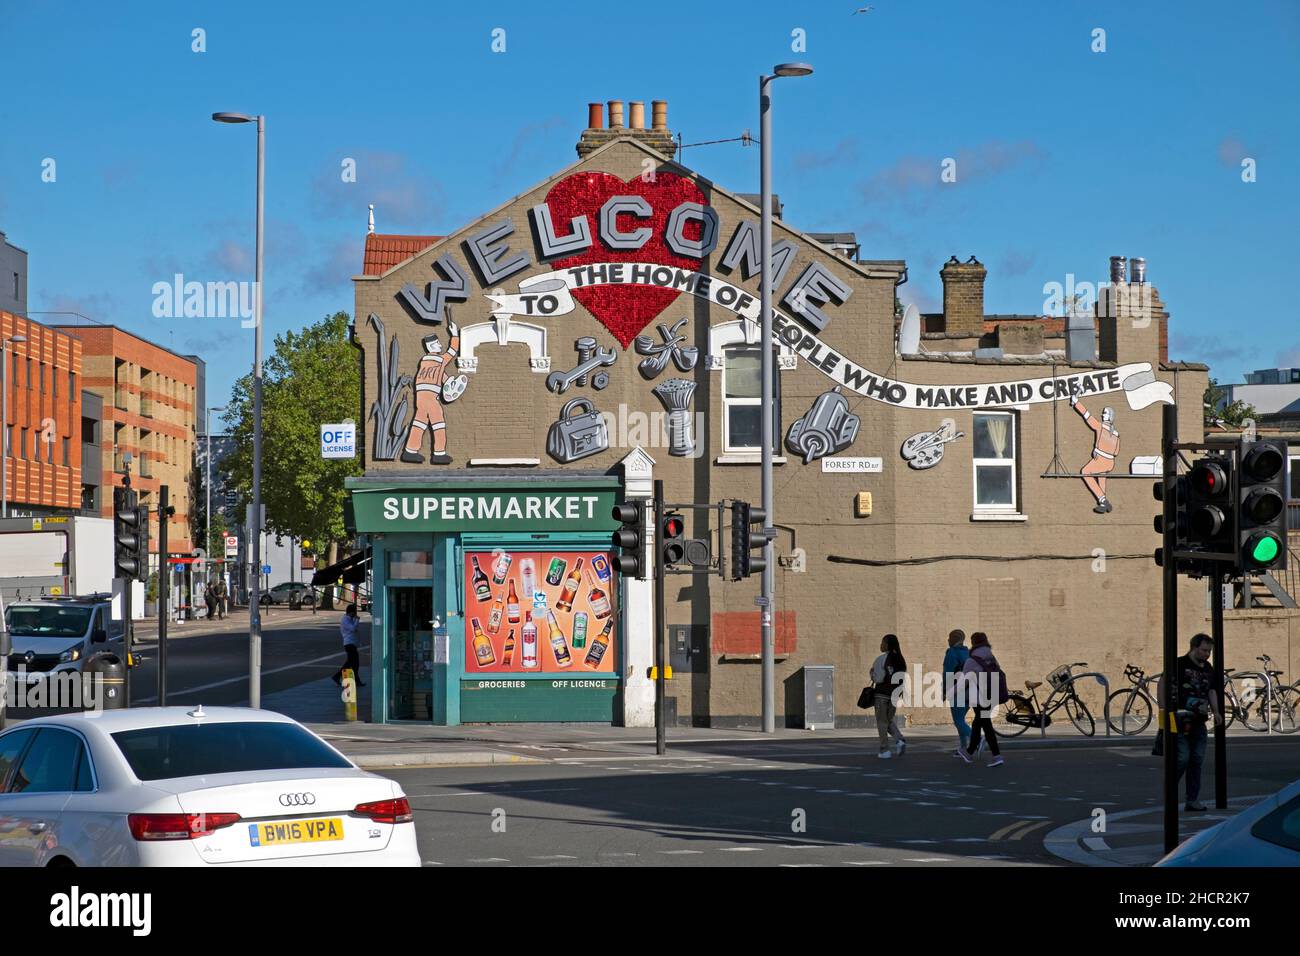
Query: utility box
x,y
818,696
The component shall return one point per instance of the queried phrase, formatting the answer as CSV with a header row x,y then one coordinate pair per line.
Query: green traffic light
x,y
1265,550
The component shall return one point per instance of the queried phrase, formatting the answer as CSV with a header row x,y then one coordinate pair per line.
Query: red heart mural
x,y
624,309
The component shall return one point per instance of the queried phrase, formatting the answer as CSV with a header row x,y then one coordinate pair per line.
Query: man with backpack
x,y
988,688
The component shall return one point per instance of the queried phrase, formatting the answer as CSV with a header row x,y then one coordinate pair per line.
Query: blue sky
x,y
1065,156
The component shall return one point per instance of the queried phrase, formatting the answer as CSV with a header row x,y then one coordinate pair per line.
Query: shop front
x,y
495,599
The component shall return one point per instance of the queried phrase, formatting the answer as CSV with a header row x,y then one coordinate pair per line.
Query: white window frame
x,y
728,403
1013,462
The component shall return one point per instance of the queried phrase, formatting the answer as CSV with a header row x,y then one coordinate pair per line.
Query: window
x,y
85,773
1282,826
49,452
994,458
72,384
88,431
50,764
9,441
410,565
21,450
11,748
66,442
742,417
189,750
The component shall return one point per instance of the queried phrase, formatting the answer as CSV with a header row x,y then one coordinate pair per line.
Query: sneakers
x,y
885,754
964,755
960,751
996,762
1194,805
898,751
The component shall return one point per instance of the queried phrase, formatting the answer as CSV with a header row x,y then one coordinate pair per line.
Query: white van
x,y
59,634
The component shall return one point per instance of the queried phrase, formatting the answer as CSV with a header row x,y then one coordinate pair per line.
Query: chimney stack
x,y
598,133
963,296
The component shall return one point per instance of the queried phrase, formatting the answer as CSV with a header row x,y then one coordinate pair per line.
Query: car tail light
x,y
178,826
387,811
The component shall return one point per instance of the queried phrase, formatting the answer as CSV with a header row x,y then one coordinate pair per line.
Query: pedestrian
x,y
883,671
985,692
210,599
348,625
1195,701
221,595
953,663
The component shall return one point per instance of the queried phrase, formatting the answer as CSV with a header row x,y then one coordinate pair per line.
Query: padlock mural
x,y
577,434
826,427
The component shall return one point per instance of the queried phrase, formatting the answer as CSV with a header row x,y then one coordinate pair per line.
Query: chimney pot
x,y
1137,270
595,116
1117,270
659,114
636,115
615,114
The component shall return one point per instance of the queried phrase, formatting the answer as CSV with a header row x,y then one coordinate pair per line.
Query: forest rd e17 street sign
x,y
338,441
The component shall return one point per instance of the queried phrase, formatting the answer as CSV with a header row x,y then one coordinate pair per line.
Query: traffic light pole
x,y
1169,568
661,627
1220,727
128,585
164,595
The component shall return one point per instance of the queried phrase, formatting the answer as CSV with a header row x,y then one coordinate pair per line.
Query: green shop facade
x,y
437,654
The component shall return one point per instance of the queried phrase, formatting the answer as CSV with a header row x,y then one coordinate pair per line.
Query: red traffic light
x,y
674,526
1209,479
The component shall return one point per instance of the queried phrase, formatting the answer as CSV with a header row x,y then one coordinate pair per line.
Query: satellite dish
x,y
909,333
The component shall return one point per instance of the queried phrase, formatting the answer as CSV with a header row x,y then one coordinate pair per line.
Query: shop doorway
x,y
410,615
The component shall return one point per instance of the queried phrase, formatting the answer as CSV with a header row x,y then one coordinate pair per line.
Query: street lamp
x,y
766,610
254,598
207,480
4,421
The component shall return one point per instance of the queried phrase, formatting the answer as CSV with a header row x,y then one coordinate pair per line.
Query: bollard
x,y
349,696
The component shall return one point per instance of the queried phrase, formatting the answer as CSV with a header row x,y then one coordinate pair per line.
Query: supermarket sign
x,y
545,509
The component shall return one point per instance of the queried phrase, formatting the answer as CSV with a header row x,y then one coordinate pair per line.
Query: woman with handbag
x,y
883,671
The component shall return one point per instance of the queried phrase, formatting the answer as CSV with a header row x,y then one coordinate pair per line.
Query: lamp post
x,y
207,479
4,421
254,598
767,611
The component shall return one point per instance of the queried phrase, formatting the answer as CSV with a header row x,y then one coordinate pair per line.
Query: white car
x,y
176,786
1265,834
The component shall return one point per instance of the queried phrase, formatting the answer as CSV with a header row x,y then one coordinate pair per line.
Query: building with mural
x,y
600,330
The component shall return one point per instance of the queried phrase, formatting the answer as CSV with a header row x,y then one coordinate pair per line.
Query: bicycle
x,y
1130,710
1022,711
1274,704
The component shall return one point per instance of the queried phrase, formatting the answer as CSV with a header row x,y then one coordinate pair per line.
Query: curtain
x,y
998,426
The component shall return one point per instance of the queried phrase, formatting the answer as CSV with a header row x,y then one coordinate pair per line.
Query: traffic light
x,y
142,522
744,539
672,543
127,549
1261,531
1179,516
1211,518
630,538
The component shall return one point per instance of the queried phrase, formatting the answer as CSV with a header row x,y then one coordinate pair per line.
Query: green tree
x,y
1219,411
313,378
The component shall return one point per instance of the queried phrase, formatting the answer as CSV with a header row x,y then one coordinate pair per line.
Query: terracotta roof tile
x,y
383,251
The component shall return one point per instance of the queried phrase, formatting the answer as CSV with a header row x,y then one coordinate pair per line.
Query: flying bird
x,y
866,9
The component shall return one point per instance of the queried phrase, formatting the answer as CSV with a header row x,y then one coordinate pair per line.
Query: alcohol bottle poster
x,y
540,612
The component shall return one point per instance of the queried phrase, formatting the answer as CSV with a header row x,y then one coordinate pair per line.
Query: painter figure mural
x,y
1105,449
433,387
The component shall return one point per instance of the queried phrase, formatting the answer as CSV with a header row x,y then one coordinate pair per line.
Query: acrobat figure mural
x,y
432,388
1105,449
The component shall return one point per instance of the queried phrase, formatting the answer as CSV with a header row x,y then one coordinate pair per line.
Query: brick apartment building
x,y
988,472
43,465
149,396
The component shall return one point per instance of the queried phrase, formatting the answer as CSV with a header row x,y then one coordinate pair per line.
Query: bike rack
x,y
1105,696
1268,698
